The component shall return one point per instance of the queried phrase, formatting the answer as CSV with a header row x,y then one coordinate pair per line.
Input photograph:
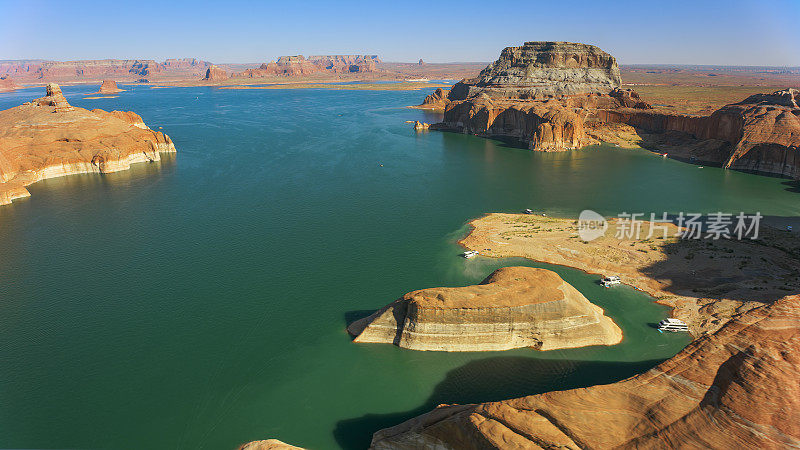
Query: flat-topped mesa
x,y
48,137
215,73
538,94
514,307
299,65
736,388
544,69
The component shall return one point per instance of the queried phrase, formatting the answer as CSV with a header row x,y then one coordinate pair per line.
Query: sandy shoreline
x,y
684,274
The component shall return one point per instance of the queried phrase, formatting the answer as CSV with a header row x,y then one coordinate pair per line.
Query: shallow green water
x,y
201,302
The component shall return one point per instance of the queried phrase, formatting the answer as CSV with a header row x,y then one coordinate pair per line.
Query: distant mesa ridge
x,y
300,65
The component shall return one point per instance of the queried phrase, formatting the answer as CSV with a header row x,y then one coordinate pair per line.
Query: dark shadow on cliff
x,y
746,270
352,316
493,379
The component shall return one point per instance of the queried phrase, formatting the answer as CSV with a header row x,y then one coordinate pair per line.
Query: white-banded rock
x,y
47,138
514,307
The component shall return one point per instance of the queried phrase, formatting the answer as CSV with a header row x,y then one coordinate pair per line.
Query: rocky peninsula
x,y
556,96
512,308
735,388
48,137
706,282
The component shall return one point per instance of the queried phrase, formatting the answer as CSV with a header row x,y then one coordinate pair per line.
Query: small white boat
x,y
470,254
528,211
610,281
673,325
788,228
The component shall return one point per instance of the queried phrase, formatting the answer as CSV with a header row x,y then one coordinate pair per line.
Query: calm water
x,y
202,302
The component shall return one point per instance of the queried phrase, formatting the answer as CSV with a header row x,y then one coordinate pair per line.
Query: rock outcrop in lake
x,y
736,388
555,96
215,73
537,94
107,88
48,137
514,307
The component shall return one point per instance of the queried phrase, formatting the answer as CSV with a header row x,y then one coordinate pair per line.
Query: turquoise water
x,y
202,302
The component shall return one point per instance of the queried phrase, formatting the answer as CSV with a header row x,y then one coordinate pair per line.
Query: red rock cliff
x,y
736,388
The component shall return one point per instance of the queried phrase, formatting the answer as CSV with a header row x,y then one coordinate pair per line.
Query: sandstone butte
x,y
108,87
48,137
7,84
735,388
512,308
556,96
215,73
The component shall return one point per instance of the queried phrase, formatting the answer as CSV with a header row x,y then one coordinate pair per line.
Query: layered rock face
x,y
541,125
544,69
293,66
7,84
736,388
215,73
514,307
537,94
759,134
48,137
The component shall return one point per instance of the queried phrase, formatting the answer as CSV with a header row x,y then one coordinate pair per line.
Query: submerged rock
x,y
736,388
514,307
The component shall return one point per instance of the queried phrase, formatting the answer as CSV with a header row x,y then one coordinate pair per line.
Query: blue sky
x,y
731,32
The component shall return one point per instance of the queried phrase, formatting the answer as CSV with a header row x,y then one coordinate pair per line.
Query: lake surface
x,y
202,302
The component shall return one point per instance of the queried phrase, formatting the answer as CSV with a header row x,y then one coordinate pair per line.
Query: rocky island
x,y
107,88
48,137
735,388
512,308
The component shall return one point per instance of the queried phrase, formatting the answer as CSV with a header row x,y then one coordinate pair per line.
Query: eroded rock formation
x,y
48,137
107,88
759,134
215,73
537,94
544,69
514,307
736,388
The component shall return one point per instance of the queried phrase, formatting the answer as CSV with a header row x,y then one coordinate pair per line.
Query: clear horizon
x,y
728,33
